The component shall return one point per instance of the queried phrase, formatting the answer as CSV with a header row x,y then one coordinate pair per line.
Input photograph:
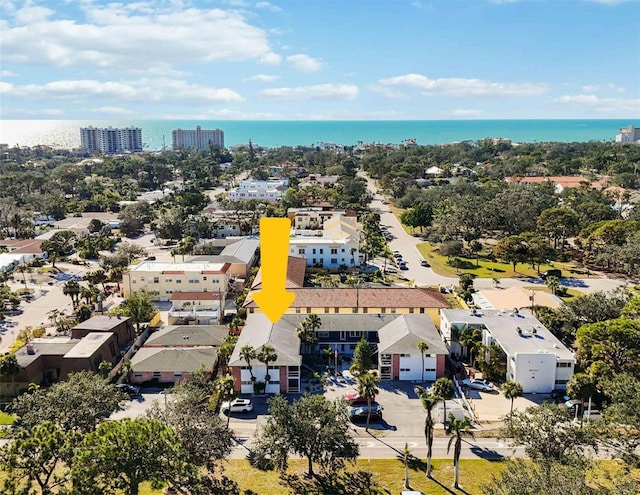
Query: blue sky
x,y
319,59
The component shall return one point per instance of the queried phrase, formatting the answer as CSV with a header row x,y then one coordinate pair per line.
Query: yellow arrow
x,y
273,299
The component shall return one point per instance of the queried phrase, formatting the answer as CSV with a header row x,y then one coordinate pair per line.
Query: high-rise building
x,y
199,138
111,139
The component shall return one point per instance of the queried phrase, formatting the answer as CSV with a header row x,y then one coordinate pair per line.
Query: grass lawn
x,y
486,269
571,293
6,419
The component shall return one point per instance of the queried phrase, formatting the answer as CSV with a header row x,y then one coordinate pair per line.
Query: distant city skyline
x,y
320,60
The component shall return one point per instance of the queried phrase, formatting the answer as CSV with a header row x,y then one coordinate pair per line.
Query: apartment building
x,y
270,190
111,139
162,279
197,138
534,357
628,134
335,243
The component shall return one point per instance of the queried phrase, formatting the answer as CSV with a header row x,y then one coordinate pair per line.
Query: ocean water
x,y
156,134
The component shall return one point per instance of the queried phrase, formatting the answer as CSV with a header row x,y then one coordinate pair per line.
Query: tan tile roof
x,y
295,274
387,297
195,296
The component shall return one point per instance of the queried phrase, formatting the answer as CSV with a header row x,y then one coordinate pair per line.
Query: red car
x,y
357,400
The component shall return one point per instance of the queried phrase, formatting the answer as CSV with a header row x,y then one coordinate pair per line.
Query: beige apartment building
x,y
162,279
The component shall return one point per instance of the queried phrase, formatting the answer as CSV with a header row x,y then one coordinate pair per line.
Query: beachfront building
x,y
162,279
534,357
111,139
628,134
270,190
197,138
329,243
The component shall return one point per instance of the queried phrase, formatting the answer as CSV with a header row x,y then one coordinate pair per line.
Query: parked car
x,y
236,405
397,256
476,384
403,266
128,388
358,400
551,273
592,415
361,412
424,263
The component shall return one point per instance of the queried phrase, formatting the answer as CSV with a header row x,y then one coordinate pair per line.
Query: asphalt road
x,y
423,276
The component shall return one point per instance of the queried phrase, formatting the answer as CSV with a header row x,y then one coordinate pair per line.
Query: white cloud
x,y
459,87
332,91
141,90
305,63
225,113
593,88
609,2
7,73
620,106
466,112
268,6
113,110
263,78
115,36
48,112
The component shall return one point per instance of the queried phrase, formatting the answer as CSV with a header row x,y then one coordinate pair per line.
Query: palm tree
x,y
24,269
458,428
72,289
406,453
266,355
511,390
139,308
248,353
307,331
224,353
423,347
429,402
471,340
314,322
553,283
443,389
367,383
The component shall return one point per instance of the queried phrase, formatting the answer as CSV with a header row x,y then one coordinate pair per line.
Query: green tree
x,y
476,247
362,359
225,388
511,390
78,403
312,427
266,355
631,310
307,331
139,307
37,456
120,455
553,283
58,245
512,249
72,289
367,383
457,428
581,387
247,352
444,390
558,224
429,402
422,347
615,342
8,367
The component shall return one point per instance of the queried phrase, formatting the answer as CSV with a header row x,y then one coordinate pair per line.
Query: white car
x,y
237,405
477,384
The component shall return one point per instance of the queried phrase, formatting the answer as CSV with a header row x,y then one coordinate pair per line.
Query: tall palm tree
x,y
72,289
224,353
553,283
471,340
24,269
444,390
429,402
511,390
406,453
248,353
266,355
226,391
457,428
423,347
367,383
314,322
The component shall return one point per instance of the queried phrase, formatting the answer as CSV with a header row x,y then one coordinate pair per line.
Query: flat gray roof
x,y
101,323
503,326
89,344
45,347
189,335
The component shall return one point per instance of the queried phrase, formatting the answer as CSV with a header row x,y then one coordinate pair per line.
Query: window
x,y
334,261
274,367
313,251
246,382
298,310
167,280
562,382
336,310
356,334
405,369
178,281
194,280
334,251
563,365
430,370
421,310
137,373
323,335
155,280
405,355
410,310
354,310
343,250
157,374
177,373
273,382
393,311
365,310
300,250
321,251
204,278
326,310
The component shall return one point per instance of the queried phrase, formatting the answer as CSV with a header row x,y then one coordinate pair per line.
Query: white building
x,y
111,139
262,190
303,219
197,138
336,244
629,134
535,358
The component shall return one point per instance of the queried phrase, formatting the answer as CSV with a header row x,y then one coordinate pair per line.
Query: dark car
x,y
128,388
551,273
360,413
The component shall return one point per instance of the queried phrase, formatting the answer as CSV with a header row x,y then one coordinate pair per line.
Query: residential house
x,y
161,279
561,182
230,223
174,352
336,244
270,190
350,300
534,357
295,274
120,326
29,249
326,181
203,308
